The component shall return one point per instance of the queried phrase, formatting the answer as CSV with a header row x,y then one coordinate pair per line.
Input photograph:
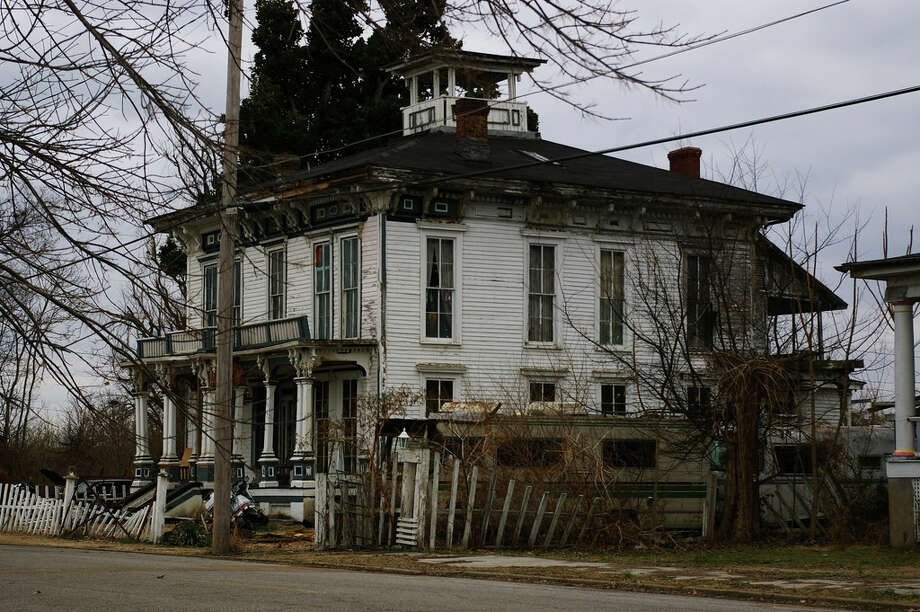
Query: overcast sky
x,y
858,160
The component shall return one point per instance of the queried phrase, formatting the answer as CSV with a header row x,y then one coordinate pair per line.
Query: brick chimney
x,y
472,117
686,161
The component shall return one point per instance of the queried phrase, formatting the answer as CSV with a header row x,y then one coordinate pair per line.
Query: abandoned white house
x,y
469,259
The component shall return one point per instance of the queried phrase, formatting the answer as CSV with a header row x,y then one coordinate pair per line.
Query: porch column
x,y
302,459
237,458
206,460
143,462
169,460
267,460
191,431
904,430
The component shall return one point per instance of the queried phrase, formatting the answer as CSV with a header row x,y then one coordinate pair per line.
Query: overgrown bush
x,y
188,533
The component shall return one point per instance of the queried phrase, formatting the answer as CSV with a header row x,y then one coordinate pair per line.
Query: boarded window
x,y
530,452
542,290
793,458
630,453
611,304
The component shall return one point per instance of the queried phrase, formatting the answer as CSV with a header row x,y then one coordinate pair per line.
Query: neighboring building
x,y
472,260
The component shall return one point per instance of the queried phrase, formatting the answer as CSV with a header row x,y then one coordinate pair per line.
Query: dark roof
x,y
459,57
882,267
435,153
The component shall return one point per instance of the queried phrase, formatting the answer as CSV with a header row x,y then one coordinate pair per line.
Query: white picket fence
x,y
26,512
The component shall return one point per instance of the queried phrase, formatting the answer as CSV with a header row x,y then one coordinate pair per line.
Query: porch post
x,y
191,431
206,460
143,462
237,459
904,430
169,460
302,459
267,460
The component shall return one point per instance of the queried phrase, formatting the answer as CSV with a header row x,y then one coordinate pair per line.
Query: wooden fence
x,y
414,507
29,512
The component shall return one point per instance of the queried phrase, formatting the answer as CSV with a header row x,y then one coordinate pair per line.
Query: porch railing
x,y
252,335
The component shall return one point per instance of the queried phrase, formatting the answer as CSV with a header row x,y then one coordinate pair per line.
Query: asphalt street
x,y
40,578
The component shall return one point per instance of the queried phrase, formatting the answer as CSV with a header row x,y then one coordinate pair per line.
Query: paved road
x,y
39,578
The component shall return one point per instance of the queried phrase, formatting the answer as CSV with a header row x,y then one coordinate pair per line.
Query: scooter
x,y
243,506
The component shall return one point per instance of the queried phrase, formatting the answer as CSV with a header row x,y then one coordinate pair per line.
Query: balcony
x,y
250,336
506,116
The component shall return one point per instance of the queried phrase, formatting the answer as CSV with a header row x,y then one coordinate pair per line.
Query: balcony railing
x,y
250,336
503,115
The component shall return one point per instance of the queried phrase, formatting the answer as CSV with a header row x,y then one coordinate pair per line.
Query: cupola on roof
x,y
438,78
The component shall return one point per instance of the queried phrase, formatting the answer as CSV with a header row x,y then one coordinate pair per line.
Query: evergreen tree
x,y
320,89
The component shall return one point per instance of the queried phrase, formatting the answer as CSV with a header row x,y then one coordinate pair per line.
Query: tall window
x,y
699,403
277,284
209,301
611,304
439,288
210,294
438,393
322,287
350,424
613,400
351,309
237,293
542,291
700,316
321,412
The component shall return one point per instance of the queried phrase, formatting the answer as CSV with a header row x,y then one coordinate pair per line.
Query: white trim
x,y
543,235
434,226
448,233
425,377
441,368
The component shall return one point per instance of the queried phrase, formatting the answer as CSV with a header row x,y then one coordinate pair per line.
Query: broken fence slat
x,y
568,528
541,509
391,517
522,516
453,503
435,481
509,493
487,510
552,526
468,523
588,515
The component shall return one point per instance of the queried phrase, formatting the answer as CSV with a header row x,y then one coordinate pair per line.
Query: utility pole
x,y
220,536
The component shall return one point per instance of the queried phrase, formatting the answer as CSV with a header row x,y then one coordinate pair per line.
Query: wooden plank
x,y
453,503
790,509
381,515
433,498
709,506
552,525
487,510
509,493
392,513
320,505
779,517
588,515
535,529
468,523
522,516
571,524
421,497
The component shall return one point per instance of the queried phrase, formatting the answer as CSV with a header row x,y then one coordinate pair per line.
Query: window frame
x,y
601,403
343,298
440,380
690,269
542,395
270,252
614,250
319,333
454,234
539,238
208,315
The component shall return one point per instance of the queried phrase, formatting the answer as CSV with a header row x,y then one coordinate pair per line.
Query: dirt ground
x,y
854,577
